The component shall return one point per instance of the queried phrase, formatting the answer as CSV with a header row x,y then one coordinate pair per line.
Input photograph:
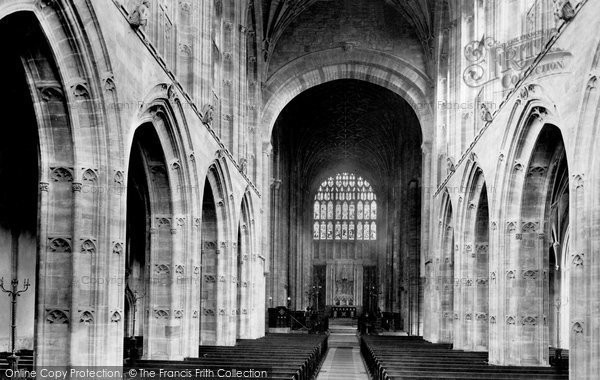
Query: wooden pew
x,y
284,356
413,358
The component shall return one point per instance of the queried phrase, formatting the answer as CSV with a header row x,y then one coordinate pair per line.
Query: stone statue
x,y
450,164
139,17
563,10
485,113
244,165
207,113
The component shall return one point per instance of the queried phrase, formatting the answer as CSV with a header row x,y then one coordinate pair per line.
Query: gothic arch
x,y
446,271
247,275
63,79
221,255
163,169
471,296
325,66
439,271
535,160
585,206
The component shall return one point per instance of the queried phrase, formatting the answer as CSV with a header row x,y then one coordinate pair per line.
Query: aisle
x,y
343,360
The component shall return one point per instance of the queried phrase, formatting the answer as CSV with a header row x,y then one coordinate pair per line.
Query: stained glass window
x,y
345,208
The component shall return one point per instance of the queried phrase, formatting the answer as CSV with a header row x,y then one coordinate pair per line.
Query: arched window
x,y
349,199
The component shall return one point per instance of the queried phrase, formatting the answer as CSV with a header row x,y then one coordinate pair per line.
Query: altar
x,y
344,286
343,312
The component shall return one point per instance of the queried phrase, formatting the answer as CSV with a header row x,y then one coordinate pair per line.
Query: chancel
x,y
300,189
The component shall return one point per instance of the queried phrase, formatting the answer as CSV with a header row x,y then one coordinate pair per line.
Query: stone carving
x,y
450,165
161,314
139,16
59,245
109,84
176,165
577,328
80,90
163,222
518,166
161,269
482,249
88,247
61,174
210,278
539,113
578,260
221,311
115,317
46,3
89,175
530,274
481,317
44,186
207,113
52,93
179,269
195,314
244,166
56,316
511,227
196,270
117,248
529,227
209,312
484,113
209,245
221,278
492,320
536,171
76,186
529,321
510,275
468,317
86,317
185,50
119,178
563,10
510,320
578,180
178,314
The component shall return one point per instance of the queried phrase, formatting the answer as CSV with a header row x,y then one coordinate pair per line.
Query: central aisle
x,y
343,360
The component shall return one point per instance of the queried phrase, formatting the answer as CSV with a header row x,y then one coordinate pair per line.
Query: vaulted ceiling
x,y
279,14
347,124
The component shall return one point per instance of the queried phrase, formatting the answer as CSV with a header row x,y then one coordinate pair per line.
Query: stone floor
x,y
343,360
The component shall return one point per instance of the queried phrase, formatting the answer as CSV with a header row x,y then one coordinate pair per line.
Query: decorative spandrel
x,y
345,208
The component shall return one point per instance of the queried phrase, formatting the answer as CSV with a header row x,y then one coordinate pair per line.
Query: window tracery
x,y
345,208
